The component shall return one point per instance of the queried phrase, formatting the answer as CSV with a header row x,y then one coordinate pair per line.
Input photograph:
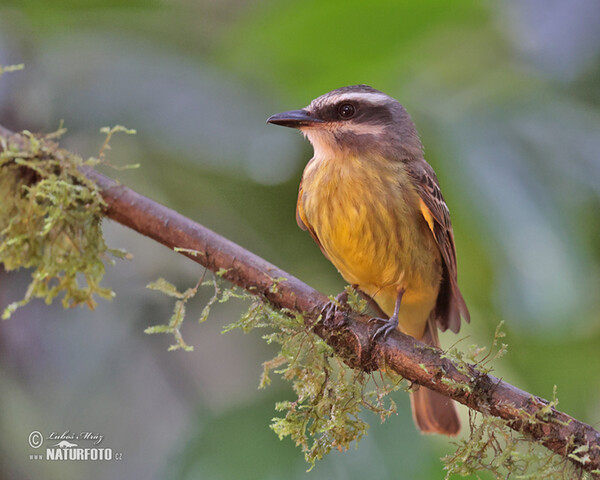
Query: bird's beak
x,y
294,119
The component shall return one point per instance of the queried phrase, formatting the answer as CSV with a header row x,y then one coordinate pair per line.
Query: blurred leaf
x,y
315,46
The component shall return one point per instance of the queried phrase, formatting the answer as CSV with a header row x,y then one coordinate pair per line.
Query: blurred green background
x,y
506,96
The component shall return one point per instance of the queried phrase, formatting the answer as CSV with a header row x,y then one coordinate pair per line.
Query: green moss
x,y
11,68
221,294
173,327
329,396
494,447
326,412
50,221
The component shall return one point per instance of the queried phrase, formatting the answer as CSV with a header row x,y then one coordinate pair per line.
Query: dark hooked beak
x,y
294,119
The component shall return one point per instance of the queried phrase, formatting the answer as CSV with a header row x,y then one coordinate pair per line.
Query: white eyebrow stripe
x,y
363,128
374,98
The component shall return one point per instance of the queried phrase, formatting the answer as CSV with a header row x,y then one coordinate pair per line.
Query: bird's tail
x,y
432,412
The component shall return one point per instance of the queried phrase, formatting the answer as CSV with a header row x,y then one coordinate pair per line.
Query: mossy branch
x,y
50,221
422,364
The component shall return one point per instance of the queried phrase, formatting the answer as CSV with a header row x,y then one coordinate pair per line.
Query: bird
x,y
374,206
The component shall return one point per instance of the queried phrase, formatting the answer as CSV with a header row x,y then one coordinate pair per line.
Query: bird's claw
x,y
335,312
388,325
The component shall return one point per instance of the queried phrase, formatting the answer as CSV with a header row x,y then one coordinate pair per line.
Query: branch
x,y
414,360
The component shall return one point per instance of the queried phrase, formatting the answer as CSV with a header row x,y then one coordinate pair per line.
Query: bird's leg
x,y
335,313
372,304
390,324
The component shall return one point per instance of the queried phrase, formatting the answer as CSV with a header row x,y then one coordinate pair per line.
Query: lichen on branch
x,y
50,221
493,446
330,397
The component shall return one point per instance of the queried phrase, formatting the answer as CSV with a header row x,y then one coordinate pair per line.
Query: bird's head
x,y
355,120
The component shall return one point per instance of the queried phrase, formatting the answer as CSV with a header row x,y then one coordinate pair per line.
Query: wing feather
x,y
450,305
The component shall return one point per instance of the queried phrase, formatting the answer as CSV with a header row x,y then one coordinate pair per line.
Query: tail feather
x,y
450,306
432,412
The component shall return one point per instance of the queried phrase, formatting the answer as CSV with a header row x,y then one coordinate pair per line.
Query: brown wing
x,y
450,303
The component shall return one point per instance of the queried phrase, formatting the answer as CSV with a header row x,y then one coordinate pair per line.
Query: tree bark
x,y
414,360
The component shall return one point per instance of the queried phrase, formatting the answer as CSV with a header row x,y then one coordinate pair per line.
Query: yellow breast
x,y
365,214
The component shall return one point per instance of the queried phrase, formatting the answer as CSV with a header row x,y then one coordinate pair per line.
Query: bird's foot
x,y
388,325
335,312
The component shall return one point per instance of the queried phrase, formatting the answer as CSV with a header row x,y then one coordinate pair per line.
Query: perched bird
x,y
374,206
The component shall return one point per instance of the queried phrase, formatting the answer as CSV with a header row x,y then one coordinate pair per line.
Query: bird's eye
x,y
346,110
